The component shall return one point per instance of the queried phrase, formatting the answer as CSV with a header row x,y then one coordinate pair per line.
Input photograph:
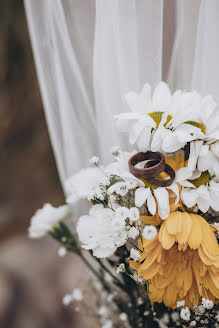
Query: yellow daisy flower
x,y
181,262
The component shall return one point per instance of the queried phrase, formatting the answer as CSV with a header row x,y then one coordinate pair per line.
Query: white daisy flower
x,y
167,122
204,156
201,190
199,118
137,123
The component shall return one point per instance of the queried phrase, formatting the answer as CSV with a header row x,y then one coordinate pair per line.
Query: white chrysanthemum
x,y
167,122
208,304
149,232
134,254
185,314
85,184
46,218
99,232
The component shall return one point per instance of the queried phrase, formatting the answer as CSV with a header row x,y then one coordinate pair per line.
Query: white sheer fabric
x,y
89,53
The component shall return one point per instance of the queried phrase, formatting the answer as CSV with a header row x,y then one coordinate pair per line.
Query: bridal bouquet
x,y
151,233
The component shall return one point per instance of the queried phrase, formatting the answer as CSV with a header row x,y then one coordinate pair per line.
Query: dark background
x,y
28,172
33,279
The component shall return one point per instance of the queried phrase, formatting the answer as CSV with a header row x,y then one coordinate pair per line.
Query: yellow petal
x,y
195,237
152,257
149,272
167,239
180,162
173,223
169,297
183,236
134,265
151,220
208,238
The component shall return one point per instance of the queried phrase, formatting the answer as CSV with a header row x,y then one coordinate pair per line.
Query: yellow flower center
x,y
148,184
157,117
202,180
199,125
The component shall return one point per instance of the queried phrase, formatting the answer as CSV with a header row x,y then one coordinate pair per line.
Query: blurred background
x,y
32,278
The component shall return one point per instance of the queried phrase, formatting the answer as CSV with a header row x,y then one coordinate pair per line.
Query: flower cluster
x,y
166,232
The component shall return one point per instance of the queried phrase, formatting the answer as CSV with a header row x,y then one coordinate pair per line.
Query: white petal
x,y
161,97
174,187
139,103
157,141
189,197
195,174
144,139
171,142
151,203
158,138
141,195
139,127
125,121
214,199
203,200
215,148
183,174
187,132
195,148
162,197
203,204
208,105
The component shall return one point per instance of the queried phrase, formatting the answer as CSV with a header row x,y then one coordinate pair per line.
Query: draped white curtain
x,y
89,53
